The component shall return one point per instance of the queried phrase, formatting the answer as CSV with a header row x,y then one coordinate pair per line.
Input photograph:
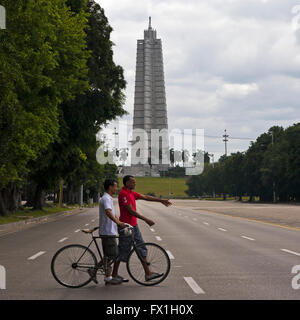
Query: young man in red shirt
x,y
128,214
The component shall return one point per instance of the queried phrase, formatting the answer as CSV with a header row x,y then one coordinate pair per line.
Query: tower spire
x,y
149,23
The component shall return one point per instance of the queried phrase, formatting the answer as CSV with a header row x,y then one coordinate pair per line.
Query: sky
x,y
229,64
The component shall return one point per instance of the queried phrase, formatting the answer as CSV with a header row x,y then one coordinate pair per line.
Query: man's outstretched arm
x,y
165,202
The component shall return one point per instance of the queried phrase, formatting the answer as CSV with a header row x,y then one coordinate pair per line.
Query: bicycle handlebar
x,y
130,227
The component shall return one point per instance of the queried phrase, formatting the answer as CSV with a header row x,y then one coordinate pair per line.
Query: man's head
x,y
110,186
129,182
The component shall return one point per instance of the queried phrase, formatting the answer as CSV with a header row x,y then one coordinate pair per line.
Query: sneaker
x,y
153,276
122,279
93,274
114,281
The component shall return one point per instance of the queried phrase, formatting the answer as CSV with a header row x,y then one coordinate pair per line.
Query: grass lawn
x,y
160,186
28,213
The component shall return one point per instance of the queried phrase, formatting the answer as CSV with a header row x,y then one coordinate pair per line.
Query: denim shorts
x,y
110,247
125,244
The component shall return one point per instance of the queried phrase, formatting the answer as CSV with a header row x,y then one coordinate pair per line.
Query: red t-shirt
x,y
125,198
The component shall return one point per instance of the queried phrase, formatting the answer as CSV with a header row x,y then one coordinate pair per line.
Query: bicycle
x,y
71,265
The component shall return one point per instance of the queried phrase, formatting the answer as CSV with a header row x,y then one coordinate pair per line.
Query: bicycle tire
x,y
166,270
54,260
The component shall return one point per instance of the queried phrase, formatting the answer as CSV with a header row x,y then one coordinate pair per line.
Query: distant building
x,y
150,108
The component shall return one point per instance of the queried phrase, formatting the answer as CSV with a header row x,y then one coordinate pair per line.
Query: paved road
x,y
213,257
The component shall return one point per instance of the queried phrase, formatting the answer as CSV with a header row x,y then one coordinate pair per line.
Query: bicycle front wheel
x,y
148,257
70,265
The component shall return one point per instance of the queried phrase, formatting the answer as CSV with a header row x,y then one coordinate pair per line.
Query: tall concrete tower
x,y
150,108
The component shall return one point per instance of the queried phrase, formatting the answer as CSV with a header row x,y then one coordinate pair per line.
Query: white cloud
x,y
236,90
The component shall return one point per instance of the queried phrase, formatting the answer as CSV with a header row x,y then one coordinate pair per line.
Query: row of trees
x,y
270,167
58,86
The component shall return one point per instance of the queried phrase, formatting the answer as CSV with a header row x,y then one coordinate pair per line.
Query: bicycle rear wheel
x,y
157,260
70,264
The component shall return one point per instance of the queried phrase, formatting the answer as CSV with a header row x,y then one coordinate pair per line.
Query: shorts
x,y
110,247
125,244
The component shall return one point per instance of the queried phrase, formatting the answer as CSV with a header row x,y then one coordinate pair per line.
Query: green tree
x,y
43,62
73,154
233,174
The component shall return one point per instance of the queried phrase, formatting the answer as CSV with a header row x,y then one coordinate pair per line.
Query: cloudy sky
x,y
229,64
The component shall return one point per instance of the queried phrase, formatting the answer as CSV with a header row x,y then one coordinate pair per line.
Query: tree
x,y
43,62
234,174
73,154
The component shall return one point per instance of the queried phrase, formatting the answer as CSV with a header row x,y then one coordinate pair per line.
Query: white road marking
x,y
152,229
292,252
170,254
206,223
36,255
251,239
193,285
77,230
87,224
62,240
93,220
221,229
194,219
158,238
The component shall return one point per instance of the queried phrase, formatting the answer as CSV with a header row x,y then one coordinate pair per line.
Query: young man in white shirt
x,y
108,222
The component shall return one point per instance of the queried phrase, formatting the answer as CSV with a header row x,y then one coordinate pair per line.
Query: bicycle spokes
x,y
157,261
70,265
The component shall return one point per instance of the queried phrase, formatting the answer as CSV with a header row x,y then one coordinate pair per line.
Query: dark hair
x,y
127,178
108,183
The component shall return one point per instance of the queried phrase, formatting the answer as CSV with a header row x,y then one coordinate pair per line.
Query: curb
x,y
20,225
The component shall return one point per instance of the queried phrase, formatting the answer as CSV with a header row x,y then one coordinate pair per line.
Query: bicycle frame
x,y
97,247
102,256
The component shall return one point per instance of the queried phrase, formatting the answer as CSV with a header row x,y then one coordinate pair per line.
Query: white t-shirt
x,y
106,226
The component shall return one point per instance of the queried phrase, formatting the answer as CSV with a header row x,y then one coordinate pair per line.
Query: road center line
x,y
206,223
158,238
170,254
194,219
77,230
221,229
87,224
251,239
193,285
292,252
93,220
152,229
62,240
36,255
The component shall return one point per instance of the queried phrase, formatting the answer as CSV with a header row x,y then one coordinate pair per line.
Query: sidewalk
x,y
20,225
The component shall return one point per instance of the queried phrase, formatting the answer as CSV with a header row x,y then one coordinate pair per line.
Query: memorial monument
x,y
150,108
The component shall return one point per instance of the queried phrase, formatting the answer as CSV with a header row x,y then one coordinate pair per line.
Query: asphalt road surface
x,y
213,257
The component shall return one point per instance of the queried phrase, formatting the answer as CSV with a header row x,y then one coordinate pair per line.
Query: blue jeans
x,y
125,244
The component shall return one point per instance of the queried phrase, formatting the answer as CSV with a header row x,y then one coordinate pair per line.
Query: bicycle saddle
x,y
89,230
